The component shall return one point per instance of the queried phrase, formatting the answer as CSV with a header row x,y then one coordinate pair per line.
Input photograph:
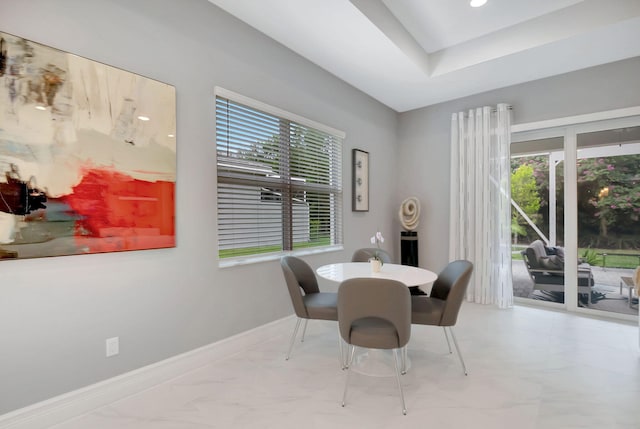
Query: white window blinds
x,y
279,181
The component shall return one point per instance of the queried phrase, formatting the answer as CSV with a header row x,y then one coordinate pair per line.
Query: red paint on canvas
x,y
118,212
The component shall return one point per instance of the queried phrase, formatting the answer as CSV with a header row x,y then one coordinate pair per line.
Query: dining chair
x,y
364,254
308,302
442,306
374,313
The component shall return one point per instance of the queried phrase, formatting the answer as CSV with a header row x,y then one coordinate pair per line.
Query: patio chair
x,y
546,269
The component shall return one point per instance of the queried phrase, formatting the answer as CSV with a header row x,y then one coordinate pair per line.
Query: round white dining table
x,y
410,276
376,362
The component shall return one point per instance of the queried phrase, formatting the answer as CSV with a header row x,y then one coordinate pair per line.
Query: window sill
x,y
255,259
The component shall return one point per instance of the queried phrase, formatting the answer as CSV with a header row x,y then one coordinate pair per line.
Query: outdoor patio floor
x,y
607,282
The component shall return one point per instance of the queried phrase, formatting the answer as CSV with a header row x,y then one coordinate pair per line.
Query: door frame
x,y
568,128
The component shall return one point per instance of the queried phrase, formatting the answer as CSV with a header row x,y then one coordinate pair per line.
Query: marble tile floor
x,y
528,368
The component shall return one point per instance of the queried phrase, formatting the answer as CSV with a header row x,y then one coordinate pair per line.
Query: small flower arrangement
x,y
377,239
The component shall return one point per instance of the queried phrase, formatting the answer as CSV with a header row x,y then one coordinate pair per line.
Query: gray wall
x,y
56,313
424,135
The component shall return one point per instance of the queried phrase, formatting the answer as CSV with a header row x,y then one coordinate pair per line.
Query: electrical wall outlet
x,y
112,346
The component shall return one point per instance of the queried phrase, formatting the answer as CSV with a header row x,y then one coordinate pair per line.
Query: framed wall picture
x,y
87,155
360,181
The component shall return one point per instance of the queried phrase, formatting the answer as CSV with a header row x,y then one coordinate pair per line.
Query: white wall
x,y
424,135
56,313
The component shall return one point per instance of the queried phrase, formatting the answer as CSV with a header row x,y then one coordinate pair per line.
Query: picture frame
x,y
360,181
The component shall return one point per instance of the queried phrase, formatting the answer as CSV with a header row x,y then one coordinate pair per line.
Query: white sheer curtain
x,y
480,211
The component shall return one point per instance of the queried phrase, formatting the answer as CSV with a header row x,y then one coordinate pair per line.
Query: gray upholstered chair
x,y
312,304
363,255
374,313
441,308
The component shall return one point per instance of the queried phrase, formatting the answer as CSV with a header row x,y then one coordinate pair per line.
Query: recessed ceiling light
x,y
143,118
170,135
41,108
477,3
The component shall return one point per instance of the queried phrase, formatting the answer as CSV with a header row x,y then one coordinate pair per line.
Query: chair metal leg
x,y
293,337
395,359
404,360
444,328
464,367
343,359
304,330
346,383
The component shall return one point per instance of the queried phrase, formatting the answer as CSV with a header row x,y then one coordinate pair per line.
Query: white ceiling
x,y
413,53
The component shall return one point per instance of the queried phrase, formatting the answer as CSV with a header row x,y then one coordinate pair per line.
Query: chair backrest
x,y
390,300
363,255
451,286
535,253
299,275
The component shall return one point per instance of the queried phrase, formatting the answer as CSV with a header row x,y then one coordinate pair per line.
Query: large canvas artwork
x,y
87,155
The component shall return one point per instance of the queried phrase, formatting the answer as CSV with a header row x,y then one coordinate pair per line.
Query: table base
x,y
376,362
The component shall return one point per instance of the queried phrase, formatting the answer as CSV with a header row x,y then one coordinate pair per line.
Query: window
x,y
279,180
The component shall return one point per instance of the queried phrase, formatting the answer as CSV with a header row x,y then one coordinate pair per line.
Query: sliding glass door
x,y
576,216
608,224
537,221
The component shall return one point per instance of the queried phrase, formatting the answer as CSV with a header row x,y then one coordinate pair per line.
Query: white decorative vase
x,y
376,265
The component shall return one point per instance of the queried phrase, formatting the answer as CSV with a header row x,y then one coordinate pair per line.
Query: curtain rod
x,y
509,107
493,110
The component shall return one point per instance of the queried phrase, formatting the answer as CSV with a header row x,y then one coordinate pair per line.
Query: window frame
x,y
297,119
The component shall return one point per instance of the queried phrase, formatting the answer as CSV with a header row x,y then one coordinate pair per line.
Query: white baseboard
x,y
84,400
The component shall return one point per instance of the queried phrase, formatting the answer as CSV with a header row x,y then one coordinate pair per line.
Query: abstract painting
x,y
87,155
